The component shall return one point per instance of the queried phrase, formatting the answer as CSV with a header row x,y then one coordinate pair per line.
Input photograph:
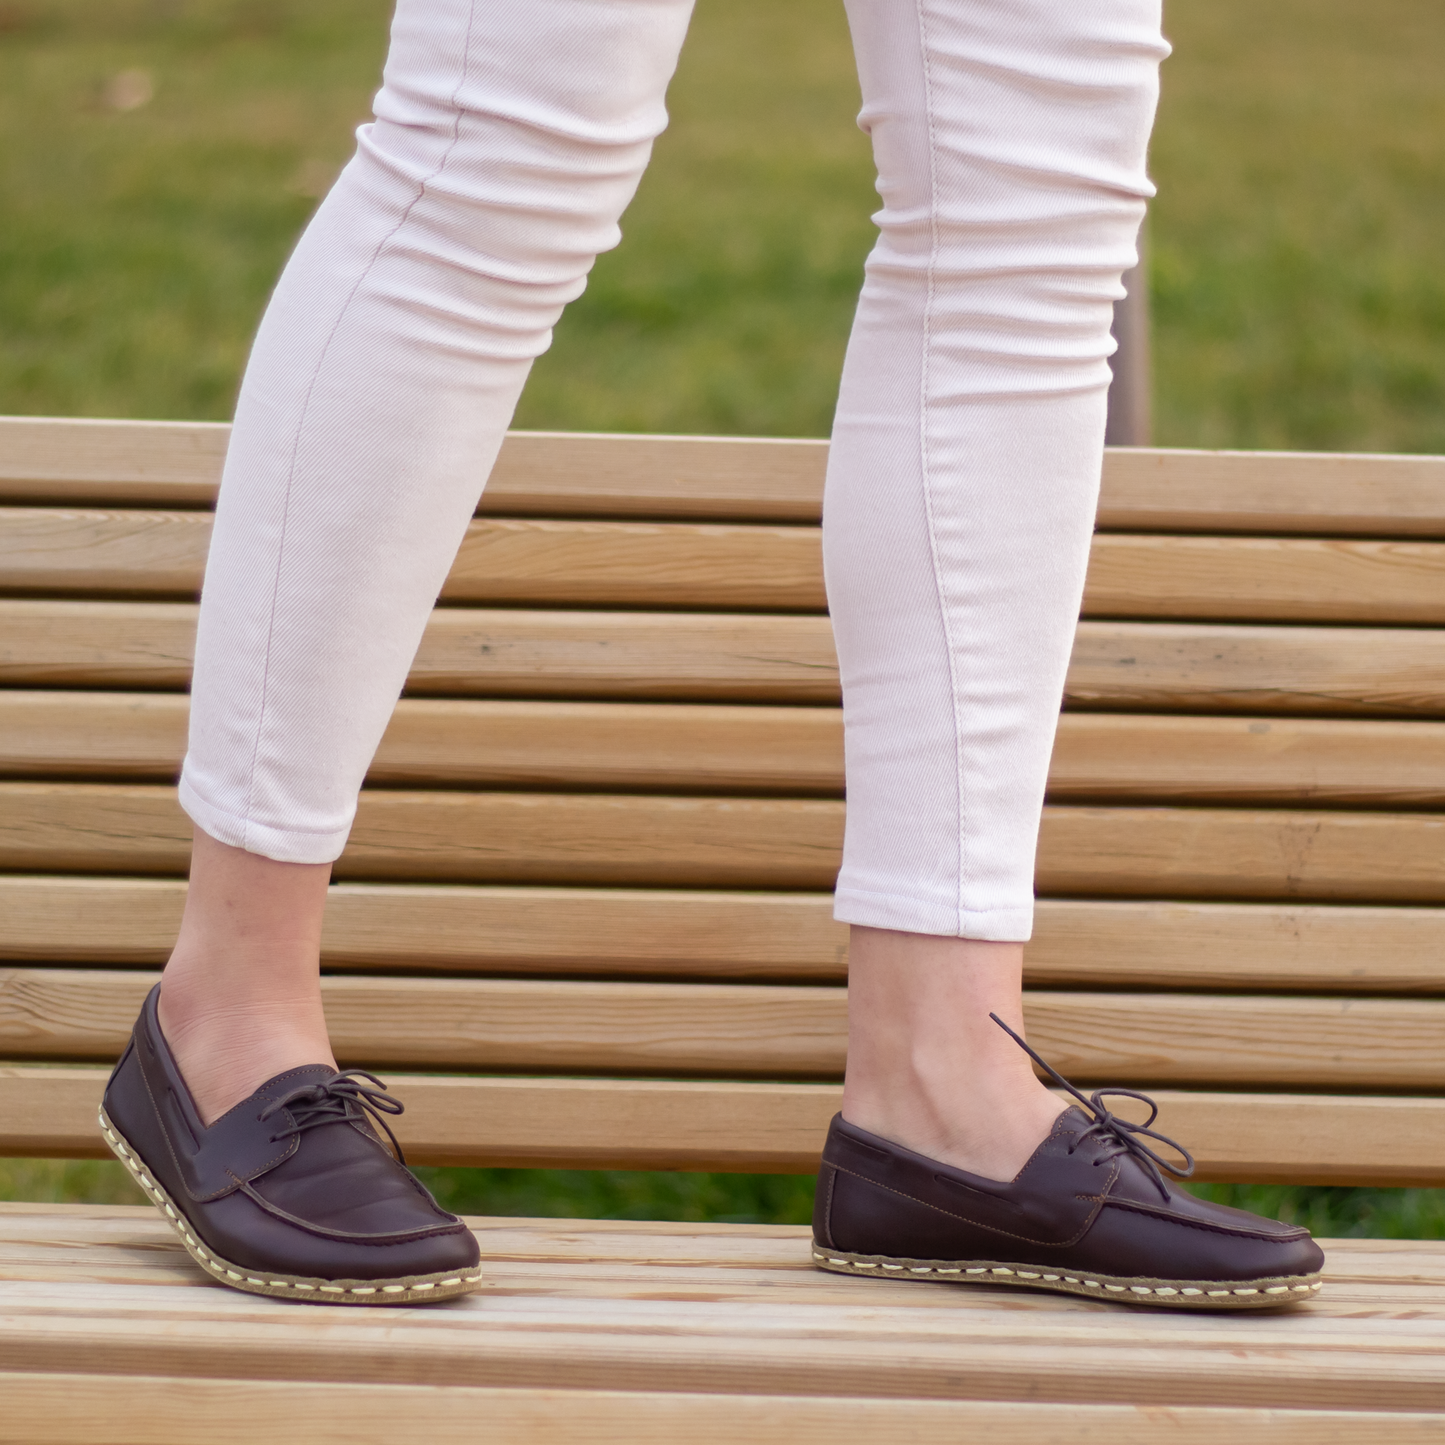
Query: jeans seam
x,y
310,389
923,423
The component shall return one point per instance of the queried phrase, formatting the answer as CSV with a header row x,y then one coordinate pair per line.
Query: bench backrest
x,y
585,907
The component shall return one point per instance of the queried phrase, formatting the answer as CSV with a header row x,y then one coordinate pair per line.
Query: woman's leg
x,y
508,140
1010,139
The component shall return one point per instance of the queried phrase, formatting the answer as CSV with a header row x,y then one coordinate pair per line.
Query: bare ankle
x,y
927,1066
241,996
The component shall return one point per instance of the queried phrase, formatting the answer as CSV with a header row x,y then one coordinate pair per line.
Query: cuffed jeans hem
x,y
912,915
284,845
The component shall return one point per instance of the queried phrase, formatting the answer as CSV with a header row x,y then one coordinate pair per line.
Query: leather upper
x,y
1078,1203
263,1193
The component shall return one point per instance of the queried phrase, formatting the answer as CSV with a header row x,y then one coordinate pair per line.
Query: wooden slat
x,y
1242,853
507,560
498,837
754,843
68,550
1267,579
501,930
1321,494
92,734
700,748
96,644
620,655
1306,493
49,1111
639,564
1236,946
780,659
669,747
741,1030
735,1030
582,474
46,459
73,459
1134,758
778,936
573,1307
78,1409
508,653
1198,668
756,568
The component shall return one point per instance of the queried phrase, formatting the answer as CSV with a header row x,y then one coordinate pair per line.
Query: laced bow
x,y
1119,1135
336,1100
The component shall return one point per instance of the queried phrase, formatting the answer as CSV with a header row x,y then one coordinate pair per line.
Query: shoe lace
x,y
1119,1136
339,1099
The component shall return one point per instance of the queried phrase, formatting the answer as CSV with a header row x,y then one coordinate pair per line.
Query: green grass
x,y
1299,296
1298,286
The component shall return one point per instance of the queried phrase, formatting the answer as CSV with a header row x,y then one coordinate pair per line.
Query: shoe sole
x,y
403,1290
1189,1294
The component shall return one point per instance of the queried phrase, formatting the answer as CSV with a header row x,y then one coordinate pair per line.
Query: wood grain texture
x,y
737,478
736,1030
1239,853
1305,493
628,840
406,927
1182,667
639,564
79,460
766,936
72,550
1236,946
61,733
1266,579
49,1111
509,560
783,658
495,837
569,474
701,748
540,562
1124,757
623,655
626,656
433,741
77,1409
46,459
772,1031
734,1310
96,644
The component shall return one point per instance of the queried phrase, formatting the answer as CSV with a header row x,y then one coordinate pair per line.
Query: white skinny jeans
x,y
1010,141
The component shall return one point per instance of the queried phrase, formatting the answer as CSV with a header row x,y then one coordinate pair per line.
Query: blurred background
x,y
159,157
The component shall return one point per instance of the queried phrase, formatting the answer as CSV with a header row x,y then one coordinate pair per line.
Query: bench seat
x,y
695,1319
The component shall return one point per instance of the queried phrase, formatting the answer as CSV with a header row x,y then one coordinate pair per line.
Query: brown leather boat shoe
x,y
1090,1213
292,1193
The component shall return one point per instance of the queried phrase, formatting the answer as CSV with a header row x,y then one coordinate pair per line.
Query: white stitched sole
x,y
1178,1294
410,1289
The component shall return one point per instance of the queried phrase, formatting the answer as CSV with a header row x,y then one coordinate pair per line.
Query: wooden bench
x,y
584,920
